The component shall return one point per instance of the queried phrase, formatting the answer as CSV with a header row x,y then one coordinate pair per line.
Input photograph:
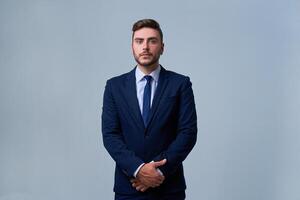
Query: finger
x,y
155,185
138,188
155,182
137,184
134,181
160,178
144,189
160,163
158,182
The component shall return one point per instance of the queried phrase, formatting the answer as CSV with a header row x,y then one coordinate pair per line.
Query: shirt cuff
x,y
138,169
158,170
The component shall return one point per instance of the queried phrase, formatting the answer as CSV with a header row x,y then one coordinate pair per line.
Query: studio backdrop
x,y
243,60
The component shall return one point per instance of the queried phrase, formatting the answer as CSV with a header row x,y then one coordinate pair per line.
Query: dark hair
x,y
148,23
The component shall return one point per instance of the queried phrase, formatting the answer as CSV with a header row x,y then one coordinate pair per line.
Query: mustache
x,y
145,54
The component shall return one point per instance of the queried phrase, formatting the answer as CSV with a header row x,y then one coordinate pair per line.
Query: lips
x,y
145,54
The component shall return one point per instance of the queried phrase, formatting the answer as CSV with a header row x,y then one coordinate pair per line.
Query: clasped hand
x,y
148,176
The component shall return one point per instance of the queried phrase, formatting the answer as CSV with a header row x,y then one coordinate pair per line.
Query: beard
x,y
146,63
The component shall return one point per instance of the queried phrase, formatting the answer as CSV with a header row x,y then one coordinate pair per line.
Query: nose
x,y
145,45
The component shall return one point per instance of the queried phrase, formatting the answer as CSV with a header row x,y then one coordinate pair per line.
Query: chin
x,y
146,64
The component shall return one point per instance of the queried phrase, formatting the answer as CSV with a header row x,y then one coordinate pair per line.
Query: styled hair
x,y
148,23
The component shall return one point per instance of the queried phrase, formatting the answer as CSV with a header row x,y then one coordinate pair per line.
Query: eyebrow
x,y
150,38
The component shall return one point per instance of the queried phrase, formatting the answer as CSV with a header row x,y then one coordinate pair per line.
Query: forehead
x,y
146,33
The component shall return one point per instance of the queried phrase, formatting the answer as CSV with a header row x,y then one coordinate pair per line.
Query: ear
x,y
162,49
132,50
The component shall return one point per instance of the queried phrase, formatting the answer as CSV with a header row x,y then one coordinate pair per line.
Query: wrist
x,y
138,170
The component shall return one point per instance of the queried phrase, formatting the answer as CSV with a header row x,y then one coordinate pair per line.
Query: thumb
x,y
160,163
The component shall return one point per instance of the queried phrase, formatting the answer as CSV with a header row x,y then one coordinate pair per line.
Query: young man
x,y
149,122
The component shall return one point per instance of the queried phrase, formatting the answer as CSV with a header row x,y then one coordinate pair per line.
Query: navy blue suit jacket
x,y
171,132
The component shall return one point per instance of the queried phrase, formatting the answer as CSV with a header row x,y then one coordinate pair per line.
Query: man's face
x,y
147,47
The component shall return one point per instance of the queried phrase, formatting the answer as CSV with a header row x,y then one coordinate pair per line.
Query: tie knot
x,y
148,78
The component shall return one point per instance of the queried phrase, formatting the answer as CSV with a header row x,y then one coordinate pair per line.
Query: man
x,y
149,122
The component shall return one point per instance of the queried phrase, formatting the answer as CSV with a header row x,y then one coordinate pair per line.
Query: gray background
x,y
242,58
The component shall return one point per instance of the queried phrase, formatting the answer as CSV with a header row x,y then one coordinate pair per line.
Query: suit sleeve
x,y
186,137
112,135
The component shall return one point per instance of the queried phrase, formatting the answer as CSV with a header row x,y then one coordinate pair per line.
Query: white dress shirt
x,y
141,83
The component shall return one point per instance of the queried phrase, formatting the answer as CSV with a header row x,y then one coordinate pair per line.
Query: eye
x,y
153,41
139,41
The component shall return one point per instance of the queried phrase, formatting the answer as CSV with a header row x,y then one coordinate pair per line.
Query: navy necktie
x,y
147,99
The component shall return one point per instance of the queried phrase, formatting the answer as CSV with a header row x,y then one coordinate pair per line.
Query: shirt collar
x,y
139,75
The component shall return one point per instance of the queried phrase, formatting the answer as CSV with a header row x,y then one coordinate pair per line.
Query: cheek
x,y
136,49
158,50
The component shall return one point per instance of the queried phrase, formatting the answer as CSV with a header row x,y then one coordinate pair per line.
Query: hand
x,y
138,185
148,174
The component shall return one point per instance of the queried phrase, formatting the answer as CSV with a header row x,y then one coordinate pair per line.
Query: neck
x,y
148,69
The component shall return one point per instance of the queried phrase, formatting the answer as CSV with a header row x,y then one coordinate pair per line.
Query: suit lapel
x,y
162,83
131,98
